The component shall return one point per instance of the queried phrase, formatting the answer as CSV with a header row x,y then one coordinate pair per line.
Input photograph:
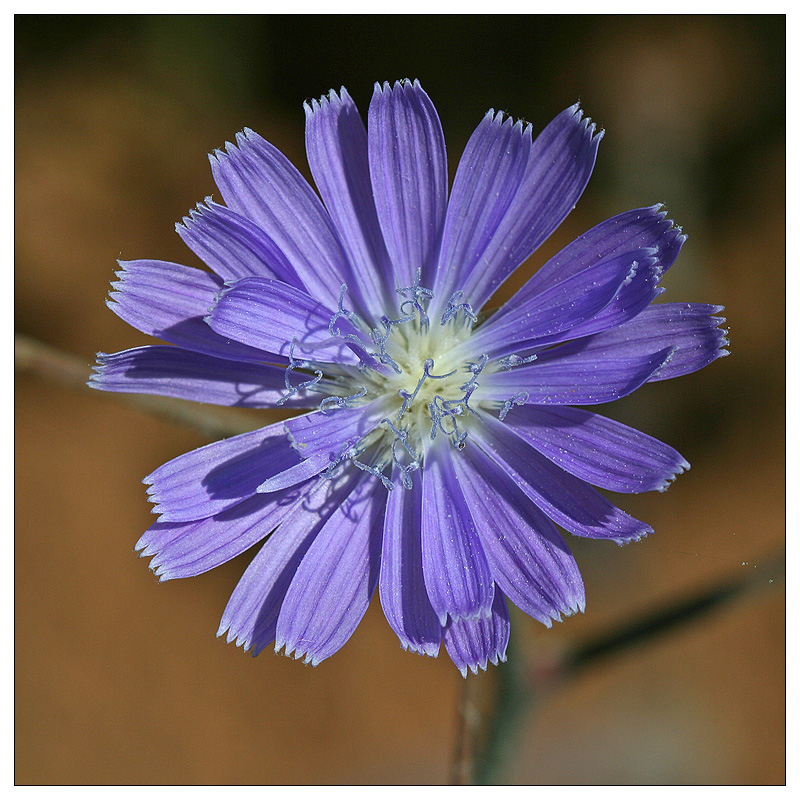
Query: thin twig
x,y
53,365
660,621
524,685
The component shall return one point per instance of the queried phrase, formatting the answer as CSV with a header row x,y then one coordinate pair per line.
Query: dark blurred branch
x,y
522,685
50,364
660,621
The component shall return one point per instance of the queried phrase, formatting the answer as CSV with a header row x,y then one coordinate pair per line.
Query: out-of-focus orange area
x,y
120,679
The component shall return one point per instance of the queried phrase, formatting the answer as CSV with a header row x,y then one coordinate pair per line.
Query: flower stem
x,y
512,701
468,721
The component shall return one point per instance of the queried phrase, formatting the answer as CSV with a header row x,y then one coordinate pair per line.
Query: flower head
x,y
442,448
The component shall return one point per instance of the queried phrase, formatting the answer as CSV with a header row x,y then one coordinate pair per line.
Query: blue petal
x,y
208,480
558,168
332,435
334,582
175,372
562,306
690,328
402,585
294,475
272,315
336,144
260,183
408,167
634,296
566,376
472,643
488,177
597,449
251,615
631,230
169,301
456,572
527,557
186,549
568,501
233,246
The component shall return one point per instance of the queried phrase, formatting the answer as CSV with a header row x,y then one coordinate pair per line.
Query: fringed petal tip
x,y
482,665
573,602
243,138
297,653
555,615
563,612
660,210
503,118
403,84
244,640
125,267
238,640
161,512
202,208
161,570
682,467
484,612
595,133
157,564
429,649
332,98
578,607
96,377
221,154
144,548
635,536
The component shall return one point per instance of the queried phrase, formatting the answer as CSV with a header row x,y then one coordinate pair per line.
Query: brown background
x,y
119,679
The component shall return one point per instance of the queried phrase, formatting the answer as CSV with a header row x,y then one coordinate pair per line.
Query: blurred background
x,y
120,679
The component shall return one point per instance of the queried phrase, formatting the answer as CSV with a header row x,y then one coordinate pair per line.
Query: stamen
x,y
373,471
472,384
342,312
308,385
340,402
440,409
401,436
417,293
427,367
328,472
408,399
360,350
453,308
380,341
519,399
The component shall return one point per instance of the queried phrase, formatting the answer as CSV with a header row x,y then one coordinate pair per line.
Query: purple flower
x,y
442,449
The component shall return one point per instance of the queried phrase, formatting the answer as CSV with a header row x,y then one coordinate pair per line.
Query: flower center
x,y
412,369
430,395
